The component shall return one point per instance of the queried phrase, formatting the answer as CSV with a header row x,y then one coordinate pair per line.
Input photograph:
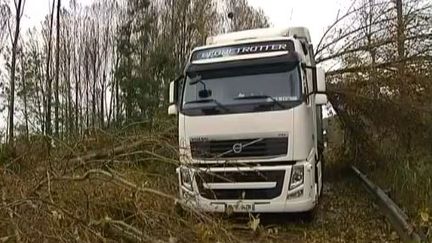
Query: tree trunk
x,y
94,100
87,77
48,77
102,102
40,93
25,93
117,98
77,98
57,71
400,30
19,6
69,97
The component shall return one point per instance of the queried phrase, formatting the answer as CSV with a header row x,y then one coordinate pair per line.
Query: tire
x,y
321,190
308,216
179,210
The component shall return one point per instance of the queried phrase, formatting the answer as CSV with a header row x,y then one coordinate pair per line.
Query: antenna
x,y
232,23
231,15
291,15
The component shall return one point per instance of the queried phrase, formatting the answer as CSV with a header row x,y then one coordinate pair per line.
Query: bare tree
x,y
57,71
19,11
4,18
48,129
24,93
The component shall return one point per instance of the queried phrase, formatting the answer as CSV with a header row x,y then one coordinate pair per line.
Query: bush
x,y
6,154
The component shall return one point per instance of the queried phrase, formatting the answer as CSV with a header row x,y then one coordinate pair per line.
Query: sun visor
x,y
290,58
244,49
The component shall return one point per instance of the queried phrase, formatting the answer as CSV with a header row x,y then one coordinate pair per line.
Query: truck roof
x,y
255,34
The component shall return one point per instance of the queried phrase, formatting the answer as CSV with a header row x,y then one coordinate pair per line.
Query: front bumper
x,y
258,206
300,199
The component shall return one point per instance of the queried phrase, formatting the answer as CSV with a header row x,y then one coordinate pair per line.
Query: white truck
x,y
249,109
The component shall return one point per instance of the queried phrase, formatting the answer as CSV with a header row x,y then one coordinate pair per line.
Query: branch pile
x,y
124,193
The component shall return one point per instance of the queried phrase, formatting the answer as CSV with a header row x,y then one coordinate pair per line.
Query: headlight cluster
x,y
186,177
297,177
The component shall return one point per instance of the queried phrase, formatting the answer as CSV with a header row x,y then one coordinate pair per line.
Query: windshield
x,y
242,89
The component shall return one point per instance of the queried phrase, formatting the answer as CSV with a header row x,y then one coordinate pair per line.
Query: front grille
x,y
258,147
240,176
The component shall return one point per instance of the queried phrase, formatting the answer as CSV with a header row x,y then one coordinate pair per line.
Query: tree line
x,y
103,65
380,83
380,54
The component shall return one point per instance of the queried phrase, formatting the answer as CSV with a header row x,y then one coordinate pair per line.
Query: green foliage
x,y
244,16
6,154
154,41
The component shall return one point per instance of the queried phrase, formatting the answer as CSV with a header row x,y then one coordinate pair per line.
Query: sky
x,y
36,10
316,15
313,14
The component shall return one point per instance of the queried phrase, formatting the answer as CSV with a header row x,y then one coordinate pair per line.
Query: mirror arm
x,y
307,66
314,76
313,93
306,96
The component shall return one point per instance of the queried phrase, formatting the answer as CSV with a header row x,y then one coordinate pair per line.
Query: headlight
x,y
186,177
297,177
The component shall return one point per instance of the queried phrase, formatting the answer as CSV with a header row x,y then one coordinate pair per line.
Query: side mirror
x,y
320,76
173,97
321,99
173,92
205,93
172,110
320,87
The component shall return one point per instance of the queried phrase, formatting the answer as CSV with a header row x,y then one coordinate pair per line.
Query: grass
x,y
409,182
407,176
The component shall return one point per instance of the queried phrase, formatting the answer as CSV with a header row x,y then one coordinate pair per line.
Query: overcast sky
x,y
314,14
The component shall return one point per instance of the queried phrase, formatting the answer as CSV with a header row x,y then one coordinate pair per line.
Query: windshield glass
x,y
242,89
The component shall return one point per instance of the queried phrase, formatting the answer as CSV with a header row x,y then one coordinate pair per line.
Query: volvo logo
x,y
237,148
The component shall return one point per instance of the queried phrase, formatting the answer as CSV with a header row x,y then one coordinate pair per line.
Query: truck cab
x,y
249,110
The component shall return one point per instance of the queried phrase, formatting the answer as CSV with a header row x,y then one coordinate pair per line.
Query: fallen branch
x,y
107,153
123,229
7,238
17,234
112,176
96,155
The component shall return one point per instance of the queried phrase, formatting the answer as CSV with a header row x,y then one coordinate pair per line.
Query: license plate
x,y
240,207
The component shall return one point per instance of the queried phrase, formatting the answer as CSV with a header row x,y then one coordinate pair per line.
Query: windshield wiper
x,y
208,101
256,97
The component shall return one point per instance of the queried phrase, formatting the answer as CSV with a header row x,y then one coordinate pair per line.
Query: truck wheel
x,y
178,208
308,216
322,177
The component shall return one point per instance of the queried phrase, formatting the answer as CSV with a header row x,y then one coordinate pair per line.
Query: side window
x,y
320,131
305,84
180,91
